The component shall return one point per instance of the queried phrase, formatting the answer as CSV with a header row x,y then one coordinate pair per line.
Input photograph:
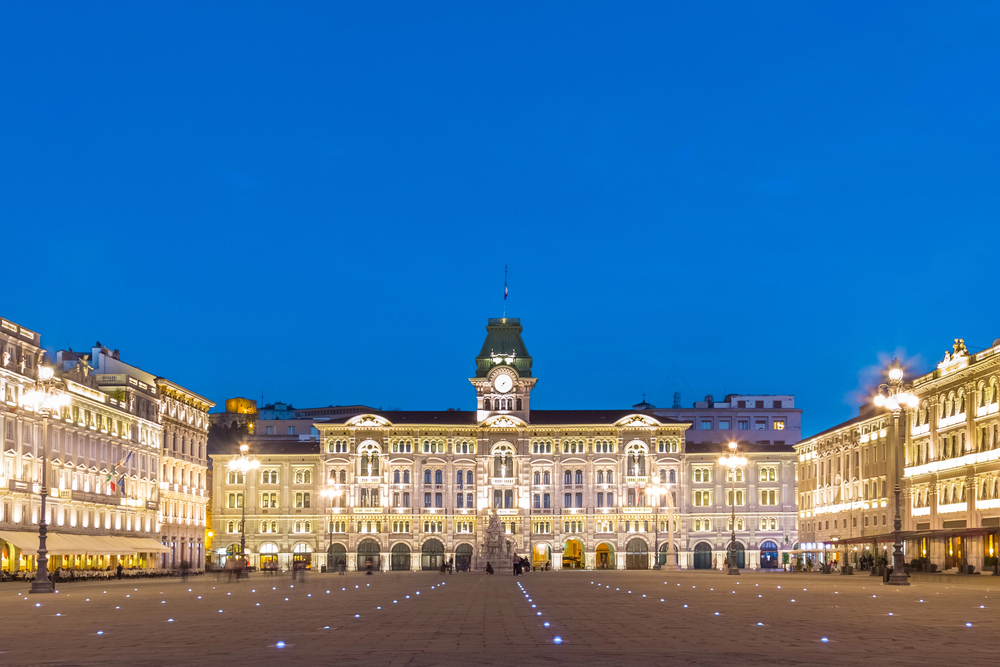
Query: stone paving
x,y
424,618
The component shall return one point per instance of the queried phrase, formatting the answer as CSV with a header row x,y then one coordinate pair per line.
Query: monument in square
x,y
496,547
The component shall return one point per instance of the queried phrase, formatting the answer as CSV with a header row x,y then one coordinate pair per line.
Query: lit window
x,y
779,424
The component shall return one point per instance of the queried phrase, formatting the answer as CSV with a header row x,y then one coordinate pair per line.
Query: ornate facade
x,y
572,488
952,467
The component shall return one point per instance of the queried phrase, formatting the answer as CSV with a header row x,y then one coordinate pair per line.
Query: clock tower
x,y
503,379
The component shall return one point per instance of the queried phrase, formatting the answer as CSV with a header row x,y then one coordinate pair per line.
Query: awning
x,y
65,544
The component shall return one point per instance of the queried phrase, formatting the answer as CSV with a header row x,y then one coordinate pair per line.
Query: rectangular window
x,y
600,499
741,404
291,430
498,498
779,424
438,500
579,500
459,500
568,500
268,430
547,502
427,500
769,497
743,424
706,424
776,404
760,424
723,424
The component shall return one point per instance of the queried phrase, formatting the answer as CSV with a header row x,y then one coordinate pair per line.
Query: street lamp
x,y
897,396
733,461
660,489
44,399
244,464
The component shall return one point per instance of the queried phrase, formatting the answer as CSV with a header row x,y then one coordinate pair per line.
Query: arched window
x,y
600,477
611,499
486,404
567,478
600,499
546,478
406,477
579,477
469,479
438,499
579,500
459,478
663,476
438,477
537,477
395,477
427,477
610,477
395,499
343,477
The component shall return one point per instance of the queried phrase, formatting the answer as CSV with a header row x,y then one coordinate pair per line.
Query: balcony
x,y
636,479
373,479
502,481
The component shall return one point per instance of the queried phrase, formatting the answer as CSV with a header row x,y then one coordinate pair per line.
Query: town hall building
x,y
593,489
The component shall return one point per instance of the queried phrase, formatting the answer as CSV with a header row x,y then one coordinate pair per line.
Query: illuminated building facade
x,y
91,525
406,490
845,484
952,473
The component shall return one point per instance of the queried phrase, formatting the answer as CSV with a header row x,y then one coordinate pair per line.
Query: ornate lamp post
x,y
44,399
733,461
244,464
660,490
896,396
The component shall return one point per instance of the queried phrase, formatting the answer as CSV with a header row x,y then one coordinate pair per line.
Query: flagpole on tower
x,y
505,291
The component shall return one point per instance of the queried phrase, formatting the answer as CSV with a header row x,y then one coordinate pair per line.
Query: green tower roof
x,y
503,347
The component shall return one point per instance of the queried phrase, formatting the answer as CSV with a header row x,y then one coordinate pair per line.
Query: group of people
x,y
448,566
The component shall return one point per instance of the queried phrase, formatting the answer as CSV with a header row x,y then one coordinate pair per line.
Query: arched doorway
x,y
369,555
637,554
572,558
302,553
335,555
769,555
703,556
399,560
605,557
463,558
269,556
662,555
741,555
541,556
431,555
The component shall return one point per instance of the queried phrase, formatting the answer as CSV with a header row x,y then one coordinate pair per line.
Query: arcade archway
x,y
572,558
605,557
399,558
637,554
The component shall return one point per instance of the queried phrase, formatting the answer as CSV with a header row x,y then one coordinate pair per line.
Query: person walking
x,y
343,566
120,570
489,568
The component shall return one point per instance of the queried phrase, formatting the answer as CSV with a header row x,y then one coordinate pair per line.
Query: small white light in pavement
x,y
546,624
39,604
643,595
532,606
793,600
310,595
407,597
326,627
220,611
685,606
199,597
258,604
355,586
117,607
394,601
824,640
418,592
100,632
58,614
163,602
558,640
982,606
661,599
968,625
286,599
328,592
343,589
280,644
189,590
539,614
170,620
128,596
357,616
88,600
890,613
760,624
716,613
378,607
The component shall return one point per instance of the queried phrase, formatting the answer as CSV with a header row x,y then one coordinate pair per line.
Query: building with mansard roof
x,y
406,490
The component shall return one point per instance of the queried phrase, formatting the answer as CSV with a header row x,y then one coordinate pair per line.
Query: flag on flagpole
x,y
504,282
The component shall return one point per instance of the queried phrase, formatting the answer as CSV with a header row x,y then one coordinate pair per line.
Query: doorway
x,y
606,557
703,556
637,554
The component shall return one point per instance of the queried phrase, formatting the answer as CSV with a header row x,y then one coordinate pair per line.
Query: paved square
x,y
428,619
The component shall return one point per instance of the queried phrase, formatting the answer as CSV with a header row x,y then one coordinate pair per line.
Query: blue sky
x,y
317,200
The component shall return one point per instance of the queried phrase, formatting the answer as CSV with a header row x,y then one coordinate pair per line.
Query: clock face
x,y
503,383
